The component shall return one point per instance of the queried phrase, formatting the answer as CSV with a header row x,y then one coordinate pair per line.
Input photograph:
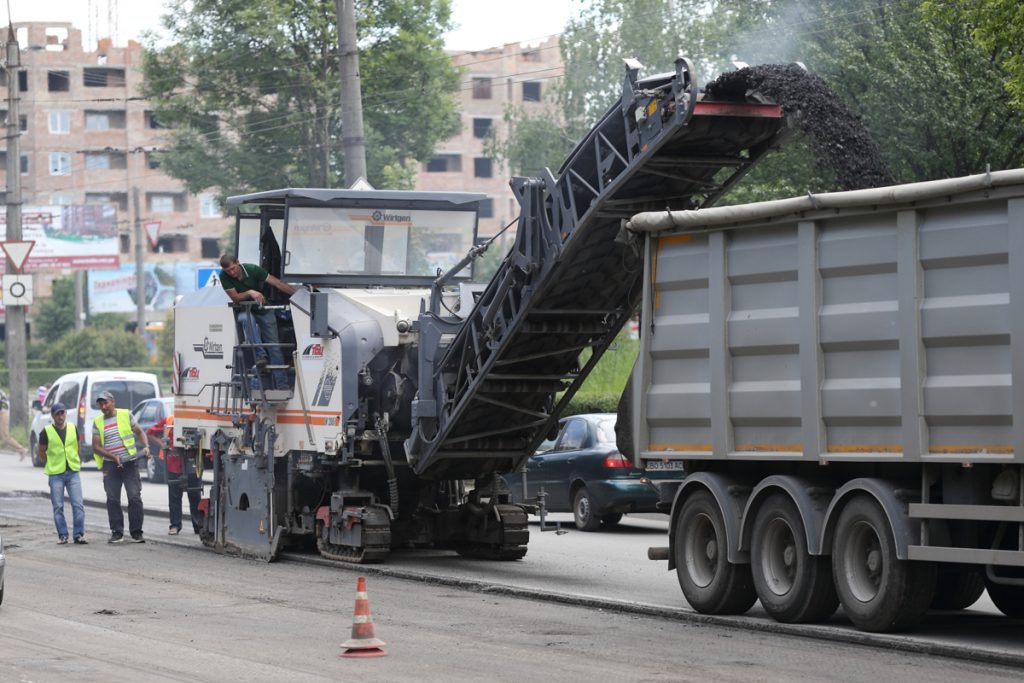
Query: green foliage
x,y
601,390
535,142
997,26
252,91
97,348
165,341
109,321
56,315
932,87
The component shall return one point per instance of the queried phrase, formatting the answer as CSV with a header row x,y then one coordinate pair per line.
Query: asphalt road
x,y
161,612
606,570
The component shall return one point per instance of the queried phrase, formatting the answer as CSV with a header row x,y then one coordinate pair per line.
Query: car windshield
x,y
606,430
127,393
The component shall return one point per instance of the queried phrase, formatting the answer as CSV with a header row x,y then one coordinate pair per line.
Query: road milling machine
x,y
410,389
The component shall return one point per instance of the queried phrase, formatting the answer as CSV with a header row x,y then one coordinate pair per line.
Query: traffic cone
x,y
362,643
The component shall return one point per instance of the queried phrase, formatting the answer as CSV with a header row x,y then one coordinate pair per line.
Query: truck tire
x,y
710,583
1008,599
879,592
583,512
957,589
794,586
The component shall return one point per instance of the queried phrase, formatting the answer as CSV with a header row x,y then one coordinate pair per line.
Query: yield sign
x,y
152,229
18,252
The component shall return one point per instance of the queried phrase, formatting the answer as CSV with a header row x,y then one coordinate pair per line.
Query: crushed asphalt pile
x,y
838,138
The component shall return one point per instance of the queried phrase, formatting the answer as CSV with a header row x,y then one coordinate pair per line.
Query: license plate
x,y
663,465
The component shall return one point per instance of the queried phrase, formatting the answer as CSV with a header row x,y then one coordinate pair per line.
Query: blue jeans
x,y
114,478
73,483
260,327
190,484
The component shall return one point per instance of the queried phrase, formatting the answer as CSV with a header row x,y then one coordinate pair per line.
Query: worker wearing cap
x,y
115,437
58,448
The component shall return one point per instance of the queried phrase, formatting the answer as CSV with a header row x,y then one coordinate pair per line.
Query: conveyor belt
x,y
488,396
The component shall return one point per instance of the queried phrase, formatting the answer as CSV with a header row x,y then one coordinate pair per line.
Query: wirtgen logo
x,y
209,349
313,352
385,217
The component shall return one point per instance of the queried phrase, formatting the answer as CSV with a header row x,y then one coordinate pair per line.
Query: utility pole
x,y
79,299
352,141
140,268
17,357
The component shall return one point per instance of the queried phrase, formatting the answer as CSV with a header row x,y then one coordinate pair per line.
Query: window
x,y
445,163
60,163
60,122
24,164
104,120
483,167
210,247
164,202
482,87
58,81
170,244
103,161
531,91
69,395
102,77
23,81
574,437
126,393
118,199
151,121
486,208
530,55
126,244
152,160
209,207
23,122
481,128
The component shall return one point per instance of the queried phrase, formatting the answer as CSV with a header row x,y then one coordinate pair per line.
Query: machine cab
x,y
320,240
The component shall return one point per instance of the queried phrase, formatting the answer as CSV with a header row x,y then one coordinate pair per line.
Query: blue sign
x,y
207,277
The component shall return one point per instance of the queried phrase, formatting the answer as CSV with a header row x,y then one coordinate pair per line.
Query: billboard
x,y
115,291
73,236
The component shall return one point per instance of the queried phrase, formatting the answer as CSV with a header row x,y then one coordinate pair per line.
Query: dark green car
x,y
582,471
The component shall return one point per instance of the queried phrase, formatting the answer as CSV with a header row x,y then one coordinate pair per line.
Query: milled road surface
x,y
157,612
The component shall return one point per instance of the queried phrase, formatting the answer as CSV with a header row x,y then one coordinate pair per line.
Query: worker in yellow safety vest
x,y
58,448
114,437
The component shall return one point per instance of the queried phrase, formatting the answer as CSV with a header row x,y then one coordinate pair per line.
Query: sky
x,y
481,23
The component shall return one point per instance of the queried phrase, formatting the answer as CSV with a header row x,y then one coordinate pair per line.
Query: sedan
x,y
583,471
152,416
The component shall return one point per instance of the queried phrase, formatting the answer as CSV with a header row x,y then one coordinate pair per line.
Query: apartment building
x,y
88,138
513,74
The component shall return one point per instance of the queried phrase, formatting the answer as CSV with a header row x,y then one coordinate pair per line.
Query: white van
x,y
78,392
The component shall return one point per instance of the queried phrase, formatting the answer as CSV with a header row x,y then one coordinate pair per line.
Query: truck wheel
x,y
793,585
34,452
957,589
583,511
878,591
711,584
624,421
1008,599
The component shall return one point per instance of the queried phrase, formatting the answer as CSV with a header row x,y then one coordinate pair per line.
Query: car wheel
x,y
879,592
583,511
1008,599
794,586
153,470
710,583
611,520
34,452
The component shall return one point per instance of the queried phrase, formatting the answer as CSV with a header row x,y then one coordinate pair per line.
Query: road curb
x,y
898,643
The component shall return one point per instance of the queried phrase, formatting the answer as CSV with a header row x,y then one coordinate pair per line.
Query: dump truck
x,y
410,389
840,376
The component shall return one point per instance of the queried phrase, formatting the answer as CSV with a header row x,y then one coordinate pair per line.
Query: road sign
x,y
17,290
207,277
152,229
18,251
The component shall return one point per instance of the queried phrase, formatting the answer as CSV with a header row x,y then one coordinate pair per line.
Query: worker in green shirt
x,y
243,282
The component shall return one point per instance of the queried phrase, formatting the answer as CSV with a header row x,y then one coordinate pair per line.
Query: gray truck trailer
x,y
842,378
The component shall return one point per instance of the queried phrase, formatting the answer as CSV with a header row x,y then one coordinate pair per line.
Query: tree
x,y
96,348
928,94
56,314
252,95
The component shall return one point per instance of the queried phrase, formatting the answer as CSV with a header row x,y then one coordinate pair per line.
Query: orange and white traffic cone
x,y
362,643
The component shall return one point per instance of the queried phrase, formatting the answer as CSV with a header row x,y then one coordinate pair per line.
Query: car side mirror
x,y
46,410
